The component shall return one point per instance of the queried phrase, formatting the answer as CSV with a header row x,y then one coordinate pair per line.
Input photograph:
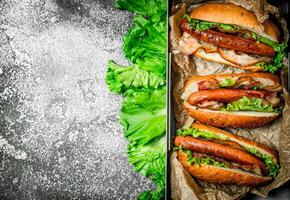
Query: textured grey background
x,y
59,132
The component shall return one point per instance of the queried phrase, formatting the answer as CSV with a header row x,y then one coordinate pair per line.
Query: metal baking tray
x,y
281,193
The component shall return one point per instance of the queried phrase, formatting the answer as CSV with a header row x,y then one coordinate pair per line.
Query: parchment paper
x,y
276,134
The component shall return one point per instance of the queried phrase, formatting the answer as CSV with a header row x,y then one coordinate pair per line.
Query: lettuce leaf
x,y
267,67
250,104
149,160
145,44
206,25
227,82
276,46
278,58
143,7
271,166
120,79
203,161
143,115
194,132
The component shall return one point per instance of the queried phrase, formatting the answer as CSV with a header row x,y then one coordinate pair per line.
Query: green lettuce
x,y
276,46
205,25
203,161
145,44
194,132
149,160
143,115
267,67
278,58
121,78
250,104
154,8
227,82
143,112
271,166
256,88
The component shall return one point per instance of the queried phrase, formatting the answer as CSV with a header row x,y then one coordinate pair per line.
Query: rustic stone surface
x,y
59,132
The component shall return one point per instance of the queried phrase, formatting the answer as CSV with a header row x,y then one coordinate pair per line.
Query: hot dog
x,y
230,34
219,150
244,100
208,154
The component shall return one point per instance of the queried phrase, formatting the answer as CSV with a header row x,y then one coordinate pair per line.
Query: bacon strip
x,y
246,82
219,150
208,84
225,95
229,41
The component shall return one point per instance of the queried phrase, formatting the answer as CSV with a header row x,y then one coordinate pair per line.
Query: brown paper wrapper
x,y
183,185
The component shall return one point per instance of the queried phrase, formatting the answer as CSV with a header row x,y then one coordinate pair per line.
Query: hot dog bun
x,y
214,174
244,119
218,156
239,119
229,13
242,49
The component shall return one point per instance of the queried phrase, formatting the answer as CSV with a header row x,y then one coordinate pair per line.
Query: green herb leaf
x,y
250,104
227,82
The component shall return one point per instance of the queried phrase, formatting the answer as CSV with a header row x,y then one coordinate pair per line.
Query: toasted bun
x,y
213,174
262,148
229,13
240,119
266,80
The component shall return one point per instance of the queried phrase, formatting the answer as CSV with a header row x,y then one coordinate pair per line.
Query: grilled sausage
x,y
230,41
219,150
